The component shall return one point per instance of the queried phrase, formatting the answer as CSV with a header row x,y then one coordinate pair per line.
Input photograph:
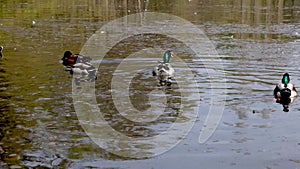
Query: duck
x,y
164,70
69,59
285,92
1,54
80,66
285,89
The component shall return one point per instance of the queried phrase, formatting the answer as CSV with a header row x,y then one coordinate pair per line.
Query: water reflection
x,y
252,12
5,118
285,103
136,127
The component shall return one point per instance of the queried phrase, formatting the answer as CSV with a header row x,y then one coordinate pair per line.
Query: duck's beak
x,y
172,54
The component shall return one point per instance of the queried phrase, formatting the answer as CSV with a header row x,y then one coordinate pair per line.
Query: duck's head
x,y
285,79
1,48
167,56
67,54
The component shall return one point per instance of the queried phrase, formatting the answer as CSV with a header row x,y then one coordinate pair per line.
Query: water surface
x,y
257,41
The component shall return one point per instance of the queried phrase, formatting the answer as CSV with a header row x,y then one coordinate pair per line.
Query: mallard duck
x,y
69,59
1,55
285,89
285,92
164,71
80,66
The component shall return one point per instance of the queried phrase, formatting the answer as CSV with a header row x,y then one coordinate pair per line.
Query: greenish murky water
x,y
257,40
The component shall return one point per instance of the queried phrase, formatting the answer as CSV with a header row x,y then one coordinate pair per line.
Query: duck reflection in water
x,y
1,55
285,92
80,66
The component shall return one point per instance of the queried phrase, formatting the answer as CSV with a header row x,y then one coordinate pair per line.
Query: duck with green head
x,y
285,89
164,71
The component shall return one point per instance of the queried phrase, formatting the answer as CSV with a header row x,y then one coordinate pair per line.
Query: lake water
x,y
257,41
